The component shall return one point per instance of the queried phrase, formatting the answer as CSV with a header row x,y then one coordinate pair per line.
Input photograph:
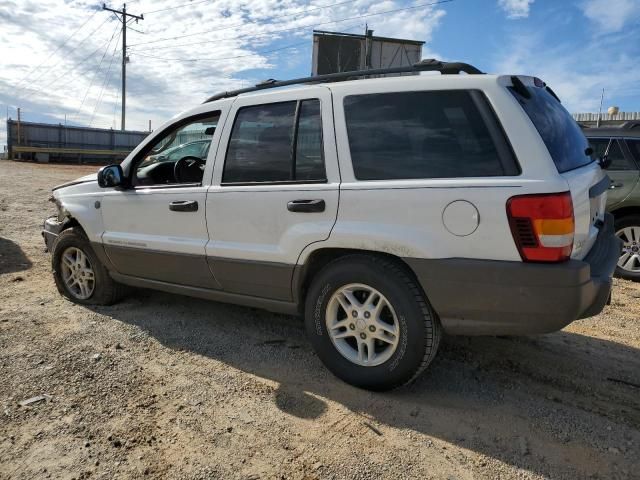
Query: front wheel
x,y
370,323
78,273
628,230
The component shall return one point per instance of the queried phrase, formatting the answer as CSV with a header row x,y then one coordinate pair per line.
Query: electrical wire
x,y
104,84
115,100
63,57
244,23
304,27
93,77
225,58
177,6
75,66
57,49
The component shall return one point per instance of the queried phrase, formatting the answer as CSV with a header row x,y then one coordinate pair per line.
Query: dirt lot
x,y
162,386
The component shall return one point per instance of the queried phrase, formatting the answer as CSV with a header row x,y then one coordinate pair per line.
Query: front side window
x,y
634,146
179,155
412,135
614,154
277,142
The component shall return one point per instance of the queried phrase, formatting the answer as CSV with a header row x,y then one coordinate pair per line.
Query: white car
x,y
386,211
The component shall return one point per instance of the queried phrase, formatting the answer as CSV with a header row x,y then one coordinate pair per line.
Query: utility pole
x,y
19,142
368,40
123,18
600,110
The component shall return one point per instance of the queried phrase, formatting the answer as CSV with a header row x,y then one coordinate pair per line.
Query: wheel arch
x,y
625,211
314,262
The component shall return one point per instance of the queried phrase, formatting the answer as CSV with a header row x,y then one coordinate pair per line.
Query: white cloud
x,y
516,8
168,76
611,15
569,69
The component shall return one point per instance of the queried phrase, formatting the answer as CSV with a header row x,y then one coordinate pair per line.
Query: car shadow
x,y
12,258
549,404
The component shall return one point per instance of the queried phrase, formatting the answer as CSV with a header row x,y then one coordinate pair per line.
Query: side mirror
x,y
111,176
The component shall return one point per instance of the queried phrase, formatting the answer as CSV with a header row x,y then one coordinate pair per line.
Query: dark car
x,y
621,145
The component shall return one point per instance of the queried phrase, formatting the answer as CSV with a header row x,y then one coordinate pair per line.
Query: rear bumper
x,y
50,231
485,297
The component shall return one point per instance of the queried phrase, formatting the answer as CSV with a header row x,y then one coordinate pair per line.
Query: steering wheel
x,y
189,169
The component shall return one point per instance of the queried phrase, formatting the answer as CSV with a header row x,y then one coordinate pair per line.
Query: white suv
x,y
385,210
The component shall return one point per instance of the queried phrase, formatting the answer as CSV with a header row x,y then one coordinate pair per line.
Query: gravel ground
x,y
163,386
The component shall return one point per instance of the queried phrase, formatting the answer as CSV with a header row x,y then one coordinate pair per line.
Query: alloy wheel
x,y
77,273
630,256
362,324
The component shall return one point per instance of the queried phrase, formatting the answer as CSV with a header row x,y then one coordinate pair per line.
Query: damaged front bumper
x,y
50,231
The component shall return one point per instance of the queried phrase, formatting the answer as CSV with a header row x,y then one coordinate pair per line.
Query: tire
x,y
626,222
416,341
104,290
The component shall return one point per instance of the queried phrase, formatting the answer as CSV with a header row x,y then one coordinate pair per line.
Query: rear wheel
x,y
628,230
79,274
370,323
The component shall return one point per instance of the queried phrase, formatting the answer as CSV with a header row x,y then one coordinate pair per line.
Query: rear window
x,y
429,134
559,131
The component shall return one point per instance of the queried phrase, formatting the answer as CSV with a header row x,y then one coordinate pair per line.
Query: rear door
x,y
275,190
568,147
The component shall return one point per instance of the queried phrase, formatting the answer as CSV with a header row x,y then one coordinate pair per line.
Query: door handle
x,y
184,206
615,185
306,206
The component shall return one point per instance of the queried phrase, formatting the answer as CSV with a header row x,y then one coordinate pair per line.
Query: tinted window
x,y
634,146
559,131
262,149
406,135
599,146
309,161
615,154
260,144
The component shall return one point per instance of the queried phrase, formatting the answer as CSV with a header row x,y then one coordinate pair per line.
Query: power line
x,y
224,58
259,52
57,49
104,84
67,72
304,27
115,104
63,58
93,77
243,24
177,6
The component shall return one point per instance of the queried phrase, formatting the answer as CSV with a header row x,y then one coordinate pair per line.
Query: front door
x,y
622,171
157,230
275,190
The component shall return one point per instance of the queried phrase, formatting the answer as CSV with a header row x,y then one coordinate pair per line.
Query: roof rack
x,y
428,65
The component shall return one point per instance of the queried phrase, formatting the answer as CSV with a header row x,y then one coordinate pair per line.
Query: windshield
x,y
559,131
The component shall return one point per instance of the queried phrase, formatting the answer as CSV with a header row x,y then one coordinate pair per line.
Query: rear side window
x,y
277,142
559,131
431,134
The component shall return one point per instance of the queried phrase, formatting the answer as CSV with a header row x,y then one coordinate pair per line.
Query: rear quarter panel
x,y
404,217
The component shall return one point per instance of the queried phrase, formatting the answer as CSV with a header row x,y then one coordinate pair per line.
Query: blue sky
x,y
62,57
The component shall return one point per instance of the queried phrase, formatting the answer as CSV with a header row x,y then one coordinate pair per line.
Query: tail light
x,y
542,226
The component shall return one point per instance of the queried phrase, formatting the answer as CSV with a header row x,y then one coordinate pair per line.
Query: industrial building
x,y
45,143
613,119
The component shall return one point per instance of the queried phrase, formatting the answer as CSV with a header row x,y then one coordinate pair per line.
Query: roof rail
x,y
431,64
